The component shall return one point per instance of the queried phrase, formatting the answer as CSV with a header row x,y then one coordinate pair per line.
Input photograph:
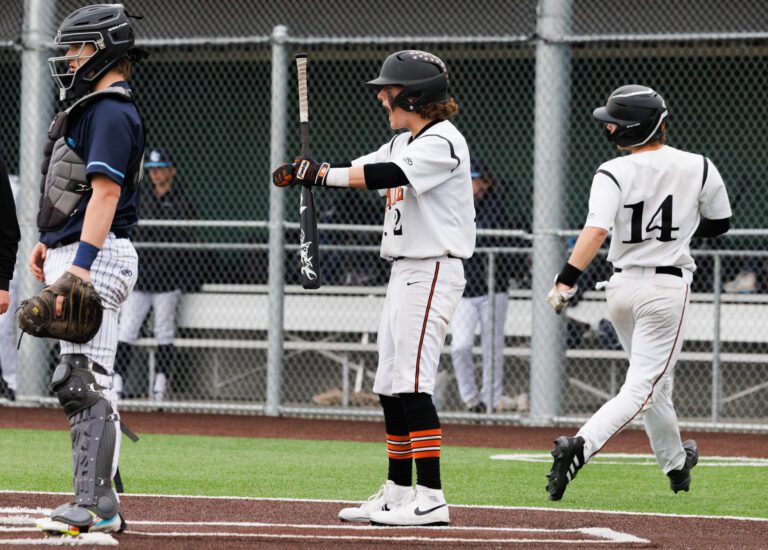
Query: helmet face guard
x,y
638,113
62,75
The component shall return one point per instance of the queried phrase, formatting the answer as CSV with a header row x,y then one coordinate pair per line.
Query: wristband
x,y
569,275
337,177
86,254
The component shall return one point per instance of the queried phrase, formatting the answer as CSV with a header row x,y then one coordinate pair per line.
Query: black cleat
x,y
680,480
569,458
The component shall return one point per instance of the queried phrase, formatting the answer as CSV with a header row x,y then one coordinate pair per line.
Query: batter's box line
x,y
614,537
457,506
632,459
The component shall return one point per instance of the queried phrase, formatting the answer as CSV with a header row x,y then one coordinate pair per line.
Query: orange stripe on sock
x,y
398,437
426,443
407,456
424,433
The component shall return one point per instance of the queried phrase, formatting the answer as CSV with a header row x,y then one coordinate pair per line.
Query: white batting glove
x,y
558,299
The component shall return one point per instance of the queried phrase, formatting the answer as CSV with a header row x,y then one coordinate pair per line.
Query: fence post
x,y
549,176
36,114
489,350
716,380
276,223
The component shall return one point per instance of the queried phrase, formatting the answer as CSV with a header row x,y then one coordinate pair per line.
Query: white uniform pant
x,y
421,298
113,273
8,339
648,311
136,309
469,313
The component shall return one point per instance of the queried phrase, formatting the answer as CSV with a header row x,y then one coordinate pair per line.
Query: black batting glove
x,y
309,172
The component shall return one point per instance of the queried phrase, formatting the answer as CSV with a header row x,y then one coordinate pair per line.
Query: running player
x,y
428,228
656,199
92,171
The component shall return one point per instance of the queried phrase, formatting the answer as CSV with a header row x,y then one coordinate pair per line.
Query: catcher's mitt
x,y
80,317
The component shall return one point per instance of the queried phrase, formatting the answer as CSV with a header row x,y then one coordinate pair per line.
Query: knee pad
x,y
92,426
74,384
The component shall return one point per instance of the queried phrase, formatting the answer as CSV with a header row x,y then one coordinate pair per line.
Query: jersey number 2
x,y
398,229
664,211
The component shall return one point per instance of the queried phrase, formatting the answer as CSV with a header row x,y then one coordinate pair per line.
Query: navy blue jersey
x,y
109,137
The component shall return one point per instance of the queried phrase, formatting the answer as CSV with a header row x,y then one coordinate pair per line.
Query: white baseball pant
x,y
421,298
469,313
648,311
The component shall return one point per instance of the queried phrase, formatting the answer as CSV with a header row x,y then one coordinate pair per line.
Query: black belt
x,y
398,258
661,270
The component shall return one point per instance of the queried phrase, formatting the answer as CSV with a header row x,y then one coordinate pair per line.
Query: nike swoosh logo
x,y
302,209
411,283
419,512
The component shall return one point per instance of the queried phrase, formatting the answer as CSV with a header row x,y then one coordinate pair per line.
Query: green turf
x,y
40,461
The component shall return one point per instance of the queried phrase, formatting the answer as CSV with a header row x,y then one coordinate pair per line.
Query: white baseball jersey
x,y
435,214
653,201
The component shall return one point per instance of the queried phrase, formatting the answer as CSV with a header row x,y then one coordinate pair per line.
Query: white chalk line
x,y
605,459
599,532
86,539
380,539
452,506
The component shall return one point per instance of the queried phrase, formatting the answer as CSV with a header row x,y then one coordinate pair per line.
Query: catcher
x,y
90,194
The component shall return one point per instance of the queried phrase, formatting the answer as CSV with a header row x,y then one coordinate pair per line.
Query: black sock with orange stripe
x,y
426,437
398,442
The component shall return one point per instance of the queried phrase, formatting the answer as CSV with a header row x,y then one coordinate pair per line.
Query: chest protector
x,y
64,181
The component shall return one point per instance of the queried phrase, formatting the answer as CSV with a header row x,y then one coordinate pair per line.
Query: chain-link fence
x,y
218,315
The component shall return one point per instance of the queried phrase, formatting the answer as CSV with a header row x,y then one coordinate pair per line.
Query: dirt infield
x,y
206,523
512,437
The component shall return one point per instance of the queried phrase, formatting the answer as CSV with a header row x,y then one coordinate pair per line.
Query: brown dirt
x,y
467,435
288,524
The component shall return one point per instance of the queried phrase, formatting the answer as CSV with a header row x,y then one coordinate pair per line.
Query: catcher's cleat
x,y
569,458
388,496
680,480
75,520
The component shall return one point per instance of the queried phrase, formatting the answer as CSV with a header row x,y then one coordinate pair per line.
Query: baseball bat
x,y
309,251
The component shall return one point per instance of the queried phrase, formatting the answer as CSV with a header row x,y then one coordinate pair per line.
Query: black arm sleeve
x,y
9,228
342,164
712,228
384,175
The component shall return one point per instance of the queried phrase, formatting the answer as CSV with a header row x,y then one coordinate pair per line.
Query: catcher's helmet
x,y
107,28
424,78
638,111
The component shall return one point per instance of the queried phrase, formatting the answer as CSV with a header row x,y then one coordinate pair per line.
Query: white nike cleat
x,y
389,496
426,507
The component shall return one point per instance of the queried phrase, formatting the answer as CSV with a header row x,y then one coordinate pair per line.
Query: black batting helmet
x,y
107,28
638,111
424,78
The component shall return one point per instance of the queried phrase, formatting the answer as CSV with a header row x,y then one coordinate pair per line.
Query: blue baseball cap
x,y
160,158
477,168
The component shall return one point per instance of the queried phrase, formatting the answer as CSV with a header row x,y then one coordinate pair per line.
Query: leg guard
x,y
92,426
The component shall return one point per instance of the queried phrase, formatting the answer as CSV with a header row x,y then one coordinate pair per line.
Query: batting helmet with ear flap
x,y
638,111
424,78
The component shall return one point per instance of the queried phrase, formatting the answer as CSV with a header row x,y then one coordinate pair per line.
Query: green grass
x,y
40,461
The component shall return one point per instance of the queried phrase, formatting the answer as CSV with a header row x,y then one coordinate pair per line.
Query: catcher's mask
x,y
638,111
107,28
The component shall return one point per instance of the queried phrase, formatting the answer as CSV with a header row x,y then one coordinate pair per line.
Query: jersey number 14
x,y
664,212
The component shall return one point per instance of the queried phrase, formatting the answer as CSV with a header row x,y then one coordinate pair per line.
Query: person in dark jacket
x,y
9,244
161,280
473,307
